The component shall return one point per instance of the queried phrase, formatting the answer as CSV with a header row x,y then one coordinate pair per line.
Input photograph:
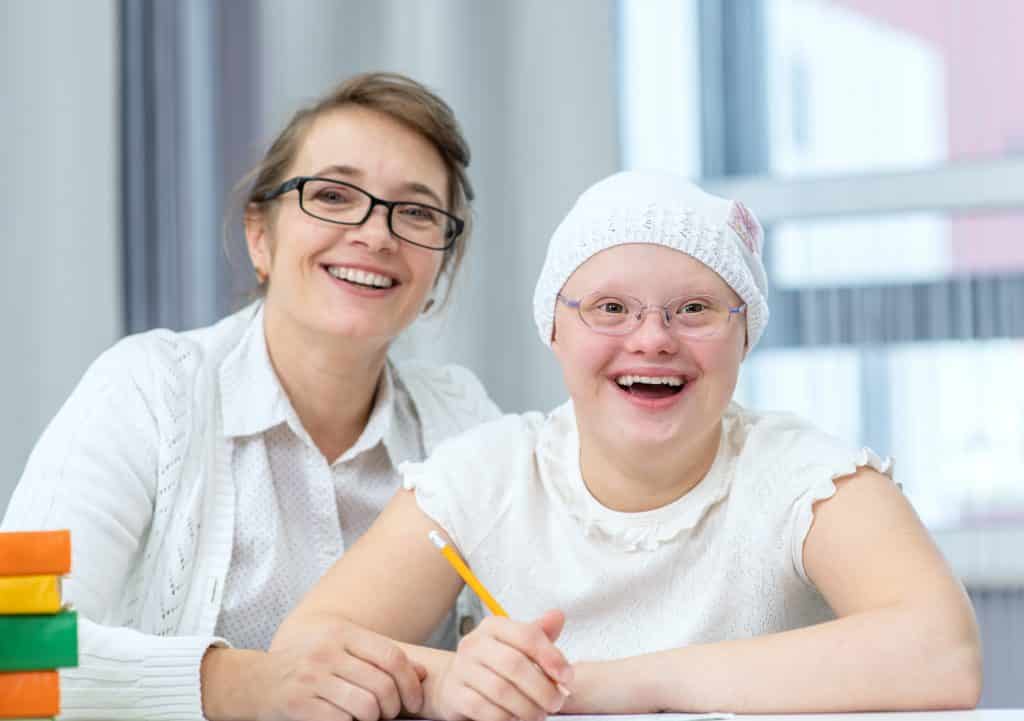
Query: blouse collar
x,y
253,401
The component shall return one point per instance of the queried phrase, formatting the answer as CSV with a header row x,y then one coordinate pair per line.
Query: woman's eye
x,y
418,212
332,195
612,307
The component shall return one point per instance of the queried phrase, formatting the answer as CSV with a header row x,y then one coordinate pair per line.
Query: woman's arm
x,y
94,472
394,582
905,636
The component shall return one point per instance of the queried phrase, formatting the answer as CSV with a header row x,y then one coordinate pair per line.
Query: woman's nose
x,y
375,232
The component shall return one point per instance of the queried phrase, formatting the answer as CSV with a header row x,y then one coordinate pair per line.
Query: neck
x,y
649,479
330,381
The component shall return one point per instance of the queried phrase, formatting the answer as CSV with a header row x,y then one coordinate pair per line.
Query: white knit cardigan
x,y
136,466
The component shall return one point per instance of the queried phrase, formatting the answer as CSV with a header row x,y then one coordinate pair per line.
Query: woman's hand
x,y
338,672
506,670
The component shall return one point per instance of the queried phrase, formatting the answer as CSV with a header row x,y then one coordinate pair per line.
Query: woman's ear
x,y
257,239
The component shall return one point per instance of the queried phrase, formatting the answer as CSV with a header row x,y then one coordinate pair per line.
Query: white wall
x,y
60,278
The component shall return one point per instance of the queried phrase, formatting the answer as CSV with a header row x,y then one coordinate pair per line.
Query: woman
x,y
657,546
210,477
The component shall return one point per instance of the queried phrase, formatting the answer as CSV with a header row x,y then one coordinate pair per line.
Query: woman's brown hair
x,y
400,98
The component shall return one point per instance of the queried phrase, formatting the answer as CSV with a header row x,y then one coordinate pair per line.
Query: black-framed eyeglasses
x,y
336,201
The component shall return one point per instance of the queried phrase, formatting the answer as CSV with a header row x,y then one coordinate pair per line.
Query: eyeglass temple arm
x,y
283,188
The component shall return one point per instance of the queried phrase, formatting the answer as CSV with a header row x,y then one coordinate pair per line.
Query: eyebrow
x,y
698,291
347,171
617,287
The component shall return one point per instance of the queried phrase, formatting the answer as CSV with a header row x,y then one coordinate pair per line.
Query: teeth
x,y
627,381
360,276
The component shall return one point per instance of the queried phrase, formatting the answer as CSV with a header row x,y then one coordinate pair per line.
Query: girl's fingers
x,y
551,624
531,640
521,672
497,691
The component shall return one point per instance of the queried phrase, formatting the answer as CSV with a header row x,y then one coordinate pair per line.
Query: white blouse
x,y
724,561
302,510
150,464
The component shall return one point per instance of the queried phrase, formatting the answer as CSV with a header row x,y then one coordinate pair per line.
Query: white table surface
x,y
975,715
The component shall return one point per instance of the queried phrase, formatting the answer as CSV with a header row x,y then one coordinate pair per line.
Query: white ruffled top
x,y
724,561
558,458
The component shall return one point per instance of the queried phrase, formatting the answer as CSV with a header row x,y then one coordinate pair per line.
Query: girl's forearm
x,y
888,659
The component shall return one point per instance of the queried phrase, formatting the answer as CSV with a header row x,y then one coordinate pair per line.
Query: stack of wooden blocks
x,y
38,634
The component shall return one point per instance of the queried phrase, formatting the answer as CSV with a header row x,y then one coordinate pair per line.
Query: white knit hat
x,y
661,209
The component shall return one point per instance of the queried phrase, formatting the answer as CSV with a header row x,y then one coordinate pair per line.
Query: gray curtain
x,y
188,129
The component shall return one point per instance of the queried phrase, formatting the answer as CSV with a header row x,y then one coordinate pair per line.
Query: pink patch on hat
x,y
746,227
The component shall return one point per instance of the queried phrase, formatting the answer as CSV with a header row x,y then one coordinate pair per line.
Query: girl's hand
x,y
340,672
506,670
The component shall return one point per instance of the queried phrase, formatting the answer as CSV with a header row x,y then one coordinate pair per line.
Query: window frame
x,y
736,164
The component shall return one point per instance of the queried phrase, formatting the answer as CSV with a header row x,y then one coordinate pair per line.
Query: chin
x,y
359,326
651,438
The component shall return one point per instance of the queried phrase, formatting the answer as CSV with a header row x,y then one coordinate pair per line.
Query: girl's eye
x,y
691,307
612,307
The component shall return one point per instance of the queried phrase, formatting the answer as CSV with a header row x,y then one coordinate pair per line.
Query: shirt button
x,y
466,625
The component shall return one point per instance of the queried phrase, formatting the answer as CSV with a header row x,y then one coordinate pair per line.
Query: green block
x,y
37,643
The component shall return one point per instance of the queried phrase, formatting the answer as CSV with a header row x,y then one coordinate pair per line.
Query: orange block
x,y
29,693
35,553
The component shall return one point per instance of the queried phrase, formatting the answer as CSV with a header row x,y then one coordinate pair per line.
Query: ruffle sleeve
x,y
465,485
821,485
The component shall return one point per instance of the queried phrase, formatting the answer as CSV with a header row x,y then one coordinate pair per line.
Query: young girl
x,y
700,555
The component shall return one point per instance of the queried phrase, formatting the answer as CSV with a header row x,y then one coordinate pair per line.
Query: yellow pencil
x,y
452,556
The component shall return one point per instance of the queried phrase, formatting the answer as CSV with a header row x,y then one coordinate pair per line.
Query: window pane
x,y
950,414
867,85
660,103
917,247
820,384
957,414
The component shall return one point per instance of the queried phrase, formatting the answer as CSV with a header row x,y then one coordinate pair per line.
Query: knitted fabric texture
x,y
660,209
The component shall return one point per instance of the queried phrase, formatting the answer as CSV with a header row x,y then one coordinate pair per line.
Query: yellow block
x,y
29,595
